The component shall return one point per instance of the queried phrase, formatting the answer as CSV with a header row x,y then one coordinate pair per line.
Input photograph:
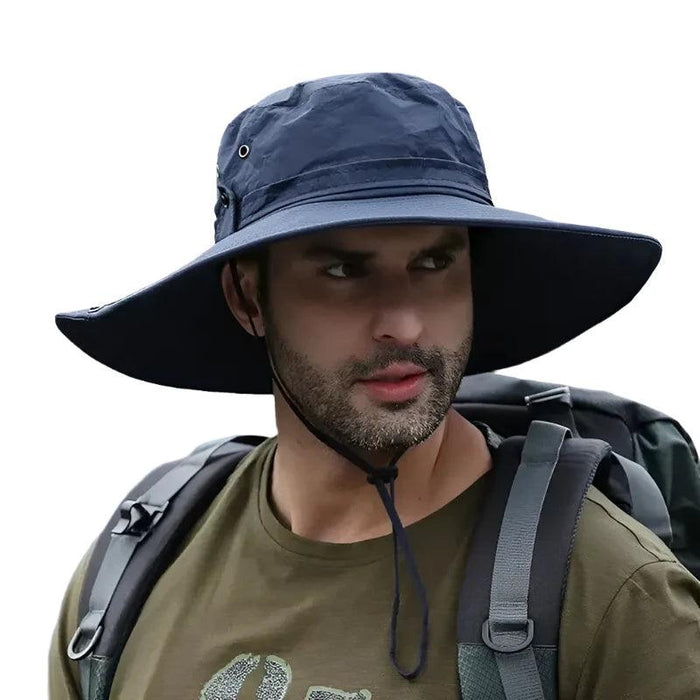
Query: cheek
x,y
450,312
458,293
451,322
317,326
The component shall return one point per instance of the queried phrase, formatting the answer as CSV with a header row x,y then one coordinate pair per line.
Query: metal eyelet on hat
x,y
243,150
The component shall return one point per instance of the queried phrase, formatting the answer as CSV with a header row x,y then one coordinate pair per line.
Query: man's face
x,y
335,317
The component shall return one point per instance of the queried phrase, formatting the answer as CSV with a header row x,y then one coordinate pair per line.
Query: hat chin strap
x,y
378,476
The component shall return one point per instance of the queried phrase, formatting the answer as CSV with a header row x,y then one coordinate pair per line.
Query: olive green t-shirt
x,y
248,609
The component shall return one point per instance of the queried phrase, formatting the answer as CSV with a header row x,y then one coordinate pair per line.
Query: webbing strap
x,y
508,629
84,666
138,518
519,675
648,505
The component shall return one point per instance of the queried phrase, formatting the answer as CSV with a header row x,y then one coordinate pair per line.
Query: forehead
x,y
375,241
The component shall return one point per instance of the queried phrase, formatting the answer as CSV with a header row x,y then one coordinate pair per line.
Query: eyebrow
x,y
452,241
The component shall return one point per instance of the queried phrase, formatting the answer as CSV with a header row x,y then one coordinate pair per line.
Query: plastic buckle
x,y
508,647
138,518
559,393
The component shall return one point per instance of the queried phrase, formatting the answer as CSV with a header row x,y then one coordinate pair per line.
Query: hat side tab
x,y
225,212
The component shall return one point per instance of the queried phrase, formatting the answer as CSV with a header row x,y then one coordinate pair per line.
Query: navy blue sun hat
x,y
357,150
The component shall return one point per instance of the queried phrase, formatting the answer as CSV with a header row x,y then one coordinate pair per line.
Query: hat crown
x,y
346,135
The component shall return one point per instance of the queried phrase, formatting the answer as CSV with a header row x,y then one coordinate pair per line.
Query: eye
x,y
337,265
444,257
445,261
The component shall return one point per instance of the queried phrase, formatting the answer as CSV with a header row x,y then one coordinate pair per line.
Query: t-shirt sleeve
x,y
647,645
64,677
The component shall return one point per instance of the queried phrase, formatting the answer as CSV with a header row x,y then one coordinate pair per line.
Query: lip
x,y
398,370
400,390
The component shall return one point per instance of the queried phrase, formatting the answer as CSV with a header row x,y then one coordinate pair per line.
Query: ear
x,y
247,275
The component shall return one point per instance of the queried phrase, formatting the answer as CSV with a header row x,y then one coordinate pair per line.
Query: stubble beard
x,y
326,400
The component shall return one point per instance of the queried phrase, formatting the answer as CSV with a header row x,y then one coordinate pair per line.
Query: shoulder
x,y
625,591
609,548
627,543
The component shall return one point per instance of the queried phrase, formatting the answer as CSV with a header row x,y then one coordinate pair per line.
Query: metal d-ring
x,y
83,652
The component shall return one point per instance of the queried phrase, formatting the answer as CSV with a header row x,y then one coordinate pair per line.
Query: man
x,y
366,325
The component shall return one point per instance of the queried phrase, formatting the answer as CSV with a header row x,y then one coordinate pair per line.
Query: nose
x,y
400,323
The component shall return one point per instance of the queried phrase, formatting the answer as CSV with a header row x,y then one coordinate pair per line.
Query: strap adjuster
x,y
510,629
558,393
137,518
385,474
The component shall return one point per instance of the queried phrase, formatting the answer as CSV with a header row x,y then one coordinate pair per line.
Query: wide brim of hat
x,y
536,285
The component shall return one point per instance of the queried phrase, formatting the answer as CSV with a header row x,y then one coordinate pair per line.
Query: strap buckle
x,y
507,646
138,518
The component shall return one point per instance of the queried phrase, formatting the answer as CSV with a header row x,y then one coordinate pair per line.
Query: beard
x,y
325,398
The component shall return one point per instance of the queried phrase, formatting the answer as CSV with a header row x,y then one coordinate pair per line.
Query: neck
x,y
319,494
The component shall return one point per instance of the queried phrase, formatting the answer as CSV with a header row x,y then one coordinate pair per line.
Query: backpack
x,y
551,443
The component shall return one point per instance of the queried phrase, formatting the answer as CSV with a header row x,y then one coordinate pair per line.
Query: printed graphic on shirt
x,y
226,683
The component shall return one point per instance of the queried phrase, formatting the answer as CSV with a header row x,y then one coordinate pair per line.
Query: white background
x,y
110,126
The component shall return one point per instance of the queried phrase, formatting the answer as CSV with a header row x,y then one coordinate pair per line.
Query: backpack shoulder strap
x,y
515,576
630,486
136,546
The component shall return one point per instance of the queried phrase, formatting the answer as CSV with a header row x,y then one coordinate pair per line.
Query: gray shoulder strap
x,y
508,631
113,598
647,501
515,578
